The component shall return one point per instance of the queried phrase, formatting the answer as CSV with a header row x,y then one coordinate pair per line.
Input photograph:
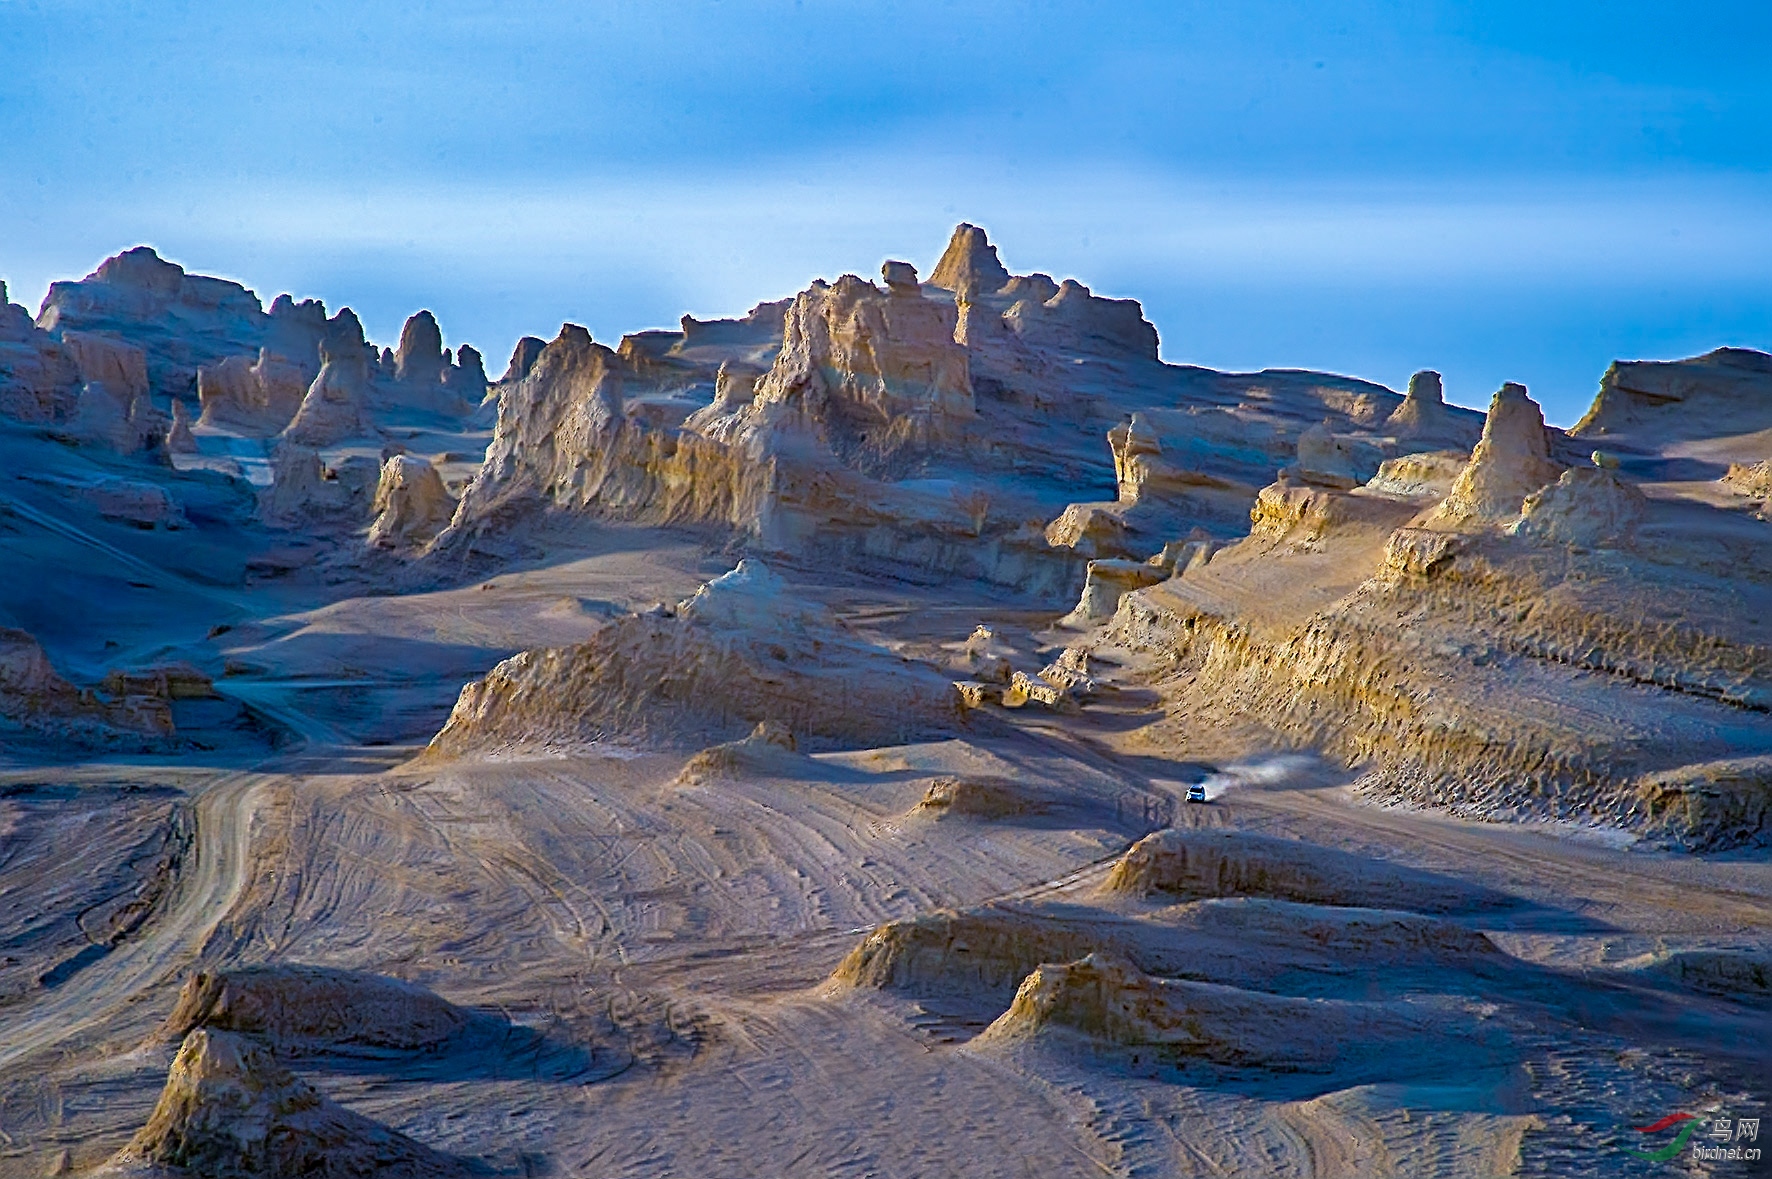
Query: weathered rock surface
x,y
1109,580
255,397
1728,391
34,696
336,405
1202,862
741,651
38,379
1586,506
984,953
179,321
1107,1000
230,1109
1511,461
411,504
768,748
1460,667
970,264
308,1009
304,491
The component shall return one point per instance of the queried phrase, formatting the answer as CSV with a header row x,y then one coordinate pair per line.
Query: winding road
x,y
217,871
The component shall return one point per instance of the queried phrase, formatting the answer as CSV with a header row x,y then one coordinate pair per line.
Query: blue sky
x,y
1503,191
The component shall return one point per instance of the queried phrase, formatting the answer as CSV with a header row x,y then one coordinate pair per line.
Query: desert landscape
x,y
908,730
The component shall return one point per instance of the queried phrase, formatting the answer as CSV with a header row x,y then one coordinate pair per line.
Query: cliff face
x,y
1568,656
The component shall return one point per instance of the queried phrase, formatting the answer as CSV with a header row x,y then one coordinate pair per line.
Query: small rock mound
x,y
744,649
1710,806
229,1109
1510,463
1417,476
1753,480
411,504
981,798
313,1008
1106,582
768,747
1104,999
1718,972
985,953
35,696
1290,929
1586,507
1208,862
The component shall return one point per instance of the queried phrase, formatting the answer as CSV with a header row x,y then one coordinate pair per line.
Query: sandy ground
x,y
662,945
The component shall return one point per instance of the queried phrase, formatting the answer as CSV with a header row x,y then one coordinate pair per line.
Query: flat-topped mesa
x,y
1511,461
969,264
1725,391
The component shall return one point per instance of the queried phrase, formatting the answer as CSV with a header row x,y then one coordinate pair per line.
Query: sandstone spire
x,y
1510,462
970,261
420,355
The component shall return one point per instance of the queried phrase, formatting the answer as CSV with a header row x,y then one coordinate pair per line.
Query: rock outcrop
x,y
1107,581
38,379
1587,507
35,697
1511,461
419,358
970,264
304,491
865,373
1108,1001
411,504
523,358
229,1109
984,953
1424,416
180,321
1728,391
741,651
300,1010
1073,319
1206,862
336,405
258,398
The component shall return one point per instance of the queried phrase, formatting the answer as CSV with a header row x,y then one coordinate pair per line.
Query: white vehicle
x,y
1197,793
